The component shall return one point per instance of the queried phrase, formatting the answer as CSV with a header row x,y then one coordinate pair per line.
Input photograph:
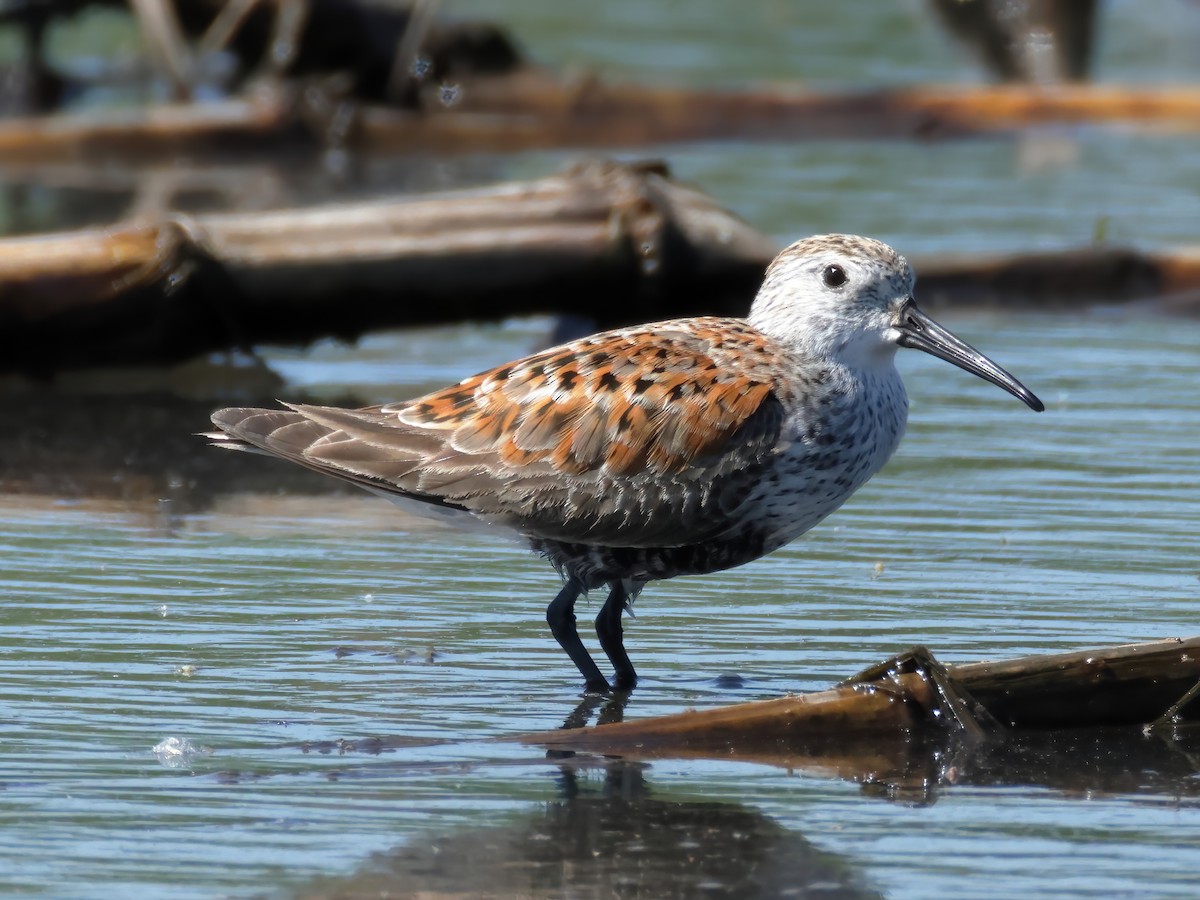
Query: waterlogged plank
x,y
1132,684
1114,686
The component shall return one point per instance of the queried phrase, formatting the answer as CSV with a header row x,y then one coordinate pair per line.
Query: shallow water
x,y
264,620
339,672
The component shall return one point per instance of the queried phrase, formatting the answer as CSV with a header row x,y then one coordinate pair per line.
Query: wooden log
x,y
1102,273
1115,686
612,244
1132,684
620,243
531,110
267,125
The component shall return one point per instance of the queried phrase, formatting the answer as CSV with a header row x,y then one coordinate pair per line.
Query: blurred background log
x,y
606,244
529,110
1167,280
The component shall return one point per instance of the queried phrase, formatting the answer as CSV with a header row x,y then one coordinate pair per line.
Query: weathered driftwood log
x,y
612,244
532,110
616,243
1116,686
1102,273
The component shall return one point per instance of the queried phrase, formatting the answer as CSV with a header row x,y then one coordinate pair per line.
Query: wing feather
x,y
640,437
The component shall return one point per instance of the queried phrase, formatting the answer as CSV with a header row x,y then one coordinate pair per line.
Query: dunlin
x,y
674,448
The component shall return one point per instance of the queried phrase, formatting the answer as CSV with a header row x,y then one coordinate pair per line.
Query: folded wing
x,y
639,437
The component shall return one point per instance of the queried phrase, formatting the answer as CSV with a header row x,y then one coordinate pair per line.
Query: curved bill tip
x,y
920,332
1032,401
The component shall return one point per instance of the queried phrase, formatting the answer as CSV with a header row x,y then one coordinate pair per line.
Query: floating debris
x,y
178,753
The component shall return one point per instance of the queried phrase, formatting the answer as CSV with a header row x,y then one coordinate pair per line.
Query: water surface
x,y
329,677
265,626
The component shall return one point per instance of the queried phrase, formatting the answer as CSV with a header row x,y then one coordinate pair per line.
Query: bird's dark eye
x,y
834,276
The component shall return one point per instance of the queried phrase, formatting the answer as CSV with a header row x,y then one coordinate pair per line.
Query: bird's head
x,y
850,298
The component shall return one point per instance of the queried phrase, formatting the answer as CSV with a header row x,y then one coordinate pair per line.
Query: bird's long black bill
x,y
920,332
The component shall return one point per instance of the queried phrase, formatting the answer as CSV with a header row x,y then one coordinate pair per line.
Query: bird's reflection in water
x,y
607,708
607,835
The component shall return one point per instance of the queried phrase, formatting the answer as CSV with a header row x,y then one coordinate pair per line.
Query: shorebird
x,y
638,454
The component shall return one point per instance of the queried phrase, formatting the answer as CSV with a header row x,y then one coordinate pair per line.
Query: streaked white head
x,y
835,295
850,299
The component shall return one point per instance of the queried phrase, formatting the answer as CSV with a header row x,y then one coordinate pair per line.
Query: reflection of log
x,y
617,243
1133,684
530,110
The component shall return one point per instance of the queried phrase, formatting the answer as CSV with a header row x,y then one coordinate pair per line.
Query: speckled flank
x,y
643,453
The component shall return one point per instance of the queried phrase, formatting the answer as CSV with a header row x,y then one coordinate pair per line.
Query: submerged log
x,y
531,110
1116,686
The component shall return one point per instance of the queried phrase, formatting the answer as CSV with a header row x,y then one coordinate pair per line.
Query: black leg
x,y
612,638
560,616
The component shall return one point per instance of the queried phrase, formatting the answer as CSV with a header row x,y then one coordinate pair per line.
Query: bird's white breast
x,y
833,442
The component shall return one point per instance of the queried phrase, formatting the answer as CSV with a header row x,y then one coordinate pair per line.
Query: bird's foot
x,y
624,682
596,686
